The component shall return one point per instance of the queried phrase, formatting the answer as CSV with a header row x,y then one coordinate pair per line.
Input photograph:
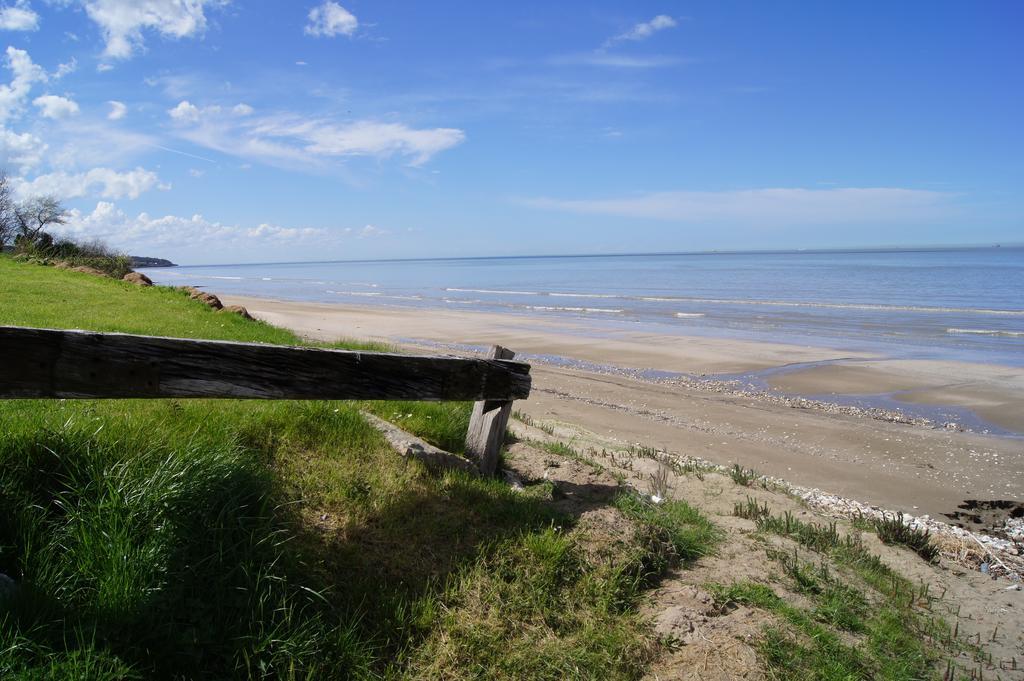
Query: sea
x,y
942,303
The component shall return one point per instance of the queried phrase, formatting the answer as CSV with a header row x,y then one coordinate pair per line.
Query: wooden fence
x,y
47,363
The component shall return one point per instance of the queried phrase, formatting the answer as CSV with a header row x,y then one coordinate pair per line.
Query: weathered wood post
x,y
487,424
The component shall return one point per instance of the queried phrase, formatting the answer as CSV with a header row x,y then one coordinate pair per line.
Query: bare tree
x,y
32,216
8,225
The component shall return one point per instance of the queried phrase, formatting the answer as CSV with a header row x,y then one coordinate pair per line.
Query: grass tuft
x,y
894,530
743,476
681,527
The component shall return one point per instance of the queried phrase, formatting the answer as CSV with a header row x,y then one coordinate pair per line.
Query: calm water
x,y
953,304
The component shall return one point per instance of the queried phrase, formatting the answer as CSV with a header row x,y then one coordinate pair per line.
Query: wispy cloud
x,y
117,110
772,206
602,58
360,138
643,30
300,140
84,142
64,69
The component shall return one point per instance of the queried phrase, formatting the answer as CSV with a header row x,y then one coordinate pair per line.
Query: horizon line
x,y
784,251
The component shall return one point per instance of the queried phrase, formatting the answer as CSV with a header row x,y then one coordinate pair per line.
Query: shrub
x,y
93,254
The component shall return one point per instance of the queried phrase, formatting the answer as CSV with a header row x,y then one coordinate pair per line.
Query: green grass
x,y
685,529
34,295
537,608
44,297
272,539
810,648
897,636
442,424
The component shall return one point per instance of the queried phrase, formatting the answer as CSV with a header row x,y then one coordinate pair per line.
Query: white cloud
x,y
122,22
23,150
331,19
276,233
13,95
372,232
102,182
775,206
56,107
184,111
363,138
18,17
117,110
196,172
644,30
159,234
103,68
65,68
300,140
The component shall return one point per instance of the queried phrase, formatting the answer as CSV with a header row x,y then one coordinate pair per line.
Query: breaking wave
x,y
988,332
552,308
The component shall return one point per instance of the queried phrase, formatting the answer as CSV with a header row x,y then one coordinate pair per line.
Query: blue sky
x,y
241,131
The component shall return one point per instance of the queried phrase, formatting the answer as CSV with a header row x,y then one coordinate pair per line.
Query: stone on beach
x,y
137,278
237,309
203,297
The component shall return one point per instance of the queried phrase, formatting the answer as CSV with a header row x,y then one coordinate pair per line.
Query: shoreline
x,y
893,465
951,394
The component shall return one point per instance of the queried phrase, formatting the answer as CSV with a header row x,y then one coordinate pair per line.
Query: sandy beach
x,y
914,468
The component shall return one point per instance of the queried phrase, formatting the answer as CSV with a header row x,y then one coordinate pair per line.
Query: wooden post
x,y
487,425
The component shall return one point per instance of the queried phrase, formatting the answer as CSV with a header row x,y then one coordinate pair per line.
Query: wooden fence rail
x,y
47,363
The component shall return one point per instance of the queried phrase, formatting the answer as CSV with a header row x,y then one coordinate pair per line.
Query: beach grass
x,y
897,635
275,539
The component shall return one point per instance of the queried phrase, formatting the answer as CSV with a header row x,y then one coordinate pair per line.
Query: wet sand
x,y
994,393
893,465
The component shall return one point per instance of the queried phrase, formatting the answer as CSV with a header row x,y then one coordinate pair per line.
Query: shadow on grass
x,y
157,542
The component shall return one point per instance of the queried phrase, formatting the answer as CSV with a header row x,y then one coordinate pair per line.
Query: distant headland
x,y
144,261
